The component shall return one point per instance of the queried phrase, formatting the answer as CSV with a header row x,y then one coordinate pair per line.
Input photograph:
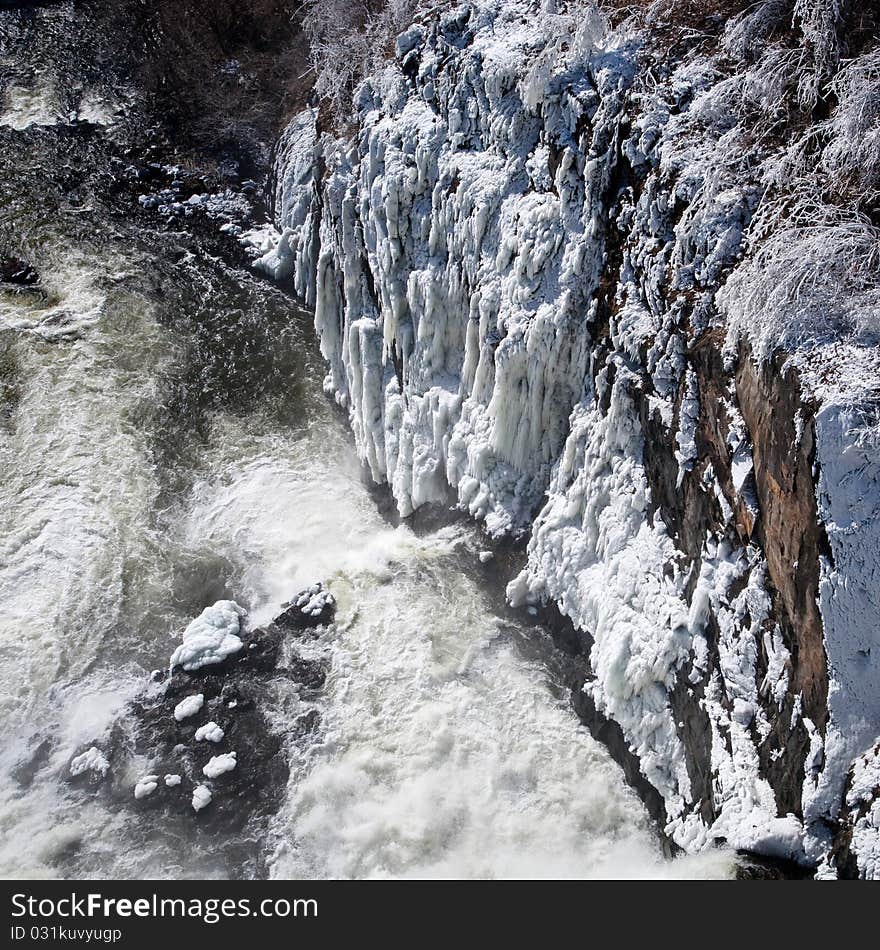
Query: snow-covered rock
x,y
201,797
315,606
92,760
856,848
146,786
211,637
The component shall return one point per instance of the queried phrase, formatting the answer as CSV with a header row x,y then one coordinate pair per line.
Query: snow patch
x,y
146,786
201,797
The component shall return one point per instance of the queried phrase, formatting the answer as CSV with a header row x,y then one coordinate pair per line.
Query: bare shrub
x,y
225,71
812,276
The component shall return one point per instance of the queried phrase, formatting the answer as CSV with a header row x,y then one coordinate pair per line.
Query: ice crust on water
x,y
220,764
210,732
189,706
211,637
26,106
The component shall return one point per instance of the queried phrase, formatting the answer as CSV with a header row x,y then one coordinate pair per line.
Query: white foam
x,y
445,753
99,107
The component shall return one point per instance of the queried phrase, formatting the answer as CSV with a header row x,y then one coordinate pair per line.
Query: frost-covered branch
x,y
347,40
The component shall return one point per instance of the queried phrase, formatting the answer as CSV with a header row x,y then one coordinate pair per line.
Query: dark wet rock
x,y
25,770
235,696
755,867
306,724
313,607
16,271
308,673
89,767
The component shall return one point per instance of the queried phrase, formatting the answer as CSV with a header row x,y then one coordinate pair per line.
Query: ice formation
x,y
172,780
220,764
146,786
210,732
201,797
863,812
92,760
211,637
314,600
552,276
189,706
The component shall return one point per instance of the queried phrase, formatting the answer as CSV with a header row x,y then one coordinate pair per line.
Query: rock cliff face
x,y
560,274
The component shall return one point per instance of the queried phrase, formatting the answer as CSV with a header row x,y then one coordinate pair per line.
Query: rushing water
x,y
164,442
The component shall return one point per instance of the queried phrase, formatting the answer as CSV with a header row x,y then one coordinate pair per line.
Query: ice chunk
x,y
311,607
211,637
189,706
172,780
92,760
210,732
146,786
202,797
220,764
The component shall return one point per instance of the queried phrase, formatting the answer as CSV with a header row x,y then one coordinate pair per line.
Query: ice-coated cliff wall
x,y
560,276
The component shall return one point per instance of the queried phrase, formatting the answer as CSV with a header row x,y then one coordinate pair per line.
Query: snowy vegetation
x,y
348,40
